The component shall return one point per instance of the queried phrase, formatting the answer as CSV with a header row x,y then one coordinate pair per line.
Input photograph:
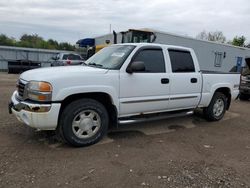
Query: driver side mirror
x,y
136,66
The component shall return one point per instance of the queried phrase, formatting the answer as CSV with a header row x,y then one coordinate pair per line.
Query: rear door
x,y
185,80
147,91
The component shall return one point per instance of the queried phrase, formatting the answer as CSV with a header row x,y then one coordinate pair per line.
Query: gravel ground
x,y
179,152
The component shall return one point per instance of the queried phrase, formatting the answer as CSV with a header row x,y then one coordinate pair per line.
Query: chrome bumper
x,y
31,107
39,116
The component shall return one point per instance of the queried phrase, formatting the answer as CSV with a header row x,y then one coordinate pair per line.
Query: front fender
x,y
65,92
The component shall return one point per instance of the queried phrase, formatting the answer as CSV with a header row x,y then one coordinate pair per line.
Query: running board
x,y
160,116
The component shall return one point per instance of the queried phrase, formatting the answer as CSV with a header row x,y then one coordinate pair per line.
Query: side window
x,y
65,56
218,59
73,57
181,61
153,60
76,57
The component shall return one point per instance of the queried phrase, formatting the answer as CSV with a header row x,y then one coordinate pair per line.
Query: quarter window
x,y
153,60
181,61
75,57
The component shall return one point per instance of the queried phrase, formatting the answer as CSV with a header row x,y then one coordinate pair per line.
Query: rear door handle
x,y
164,80
193,80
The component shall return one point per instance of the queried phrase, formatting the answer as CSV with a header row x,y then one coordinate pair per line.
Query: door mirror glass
x,y
136,66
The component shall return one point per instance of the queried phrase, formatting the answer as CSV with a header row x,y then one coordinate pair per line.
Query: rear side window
x,y
76,57
153,60
65,56
181,61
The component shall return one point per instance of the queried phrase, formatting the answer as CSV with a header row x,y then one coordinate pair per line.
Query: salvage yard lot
x,y
181,152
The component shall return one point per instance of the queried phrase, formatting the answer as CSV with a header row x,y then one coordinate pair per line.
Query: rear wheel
x,y
244,97
217,107
83,122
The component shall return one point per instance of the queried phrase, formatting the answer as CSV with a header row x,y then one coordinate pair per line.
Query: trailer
x,y
213,56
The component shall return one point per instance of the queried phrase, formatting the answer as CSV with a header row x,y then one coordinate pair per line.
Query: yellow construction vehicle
x,y
89,46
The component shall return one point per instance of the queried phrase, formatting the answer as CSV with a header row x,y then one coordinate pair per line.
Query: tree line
x,y
35,41
218,36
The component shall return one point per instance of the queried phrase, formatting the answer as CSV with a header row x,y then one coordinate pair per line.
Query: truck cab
x,y
88,47
138,36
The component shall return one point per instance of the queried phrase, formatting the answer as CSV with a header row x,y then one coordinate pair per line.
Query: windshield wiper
x,y
95,65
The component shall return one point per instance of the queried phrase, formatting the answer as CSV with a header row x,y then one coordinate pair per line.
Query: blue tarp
x,y
86,42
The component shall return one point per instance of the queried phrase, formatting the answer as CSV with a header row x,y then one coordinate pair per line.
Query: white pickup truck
x,y
120,84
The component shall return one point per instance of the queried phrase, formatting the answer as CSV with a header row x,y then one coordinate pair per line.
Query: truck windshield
x,y
111,57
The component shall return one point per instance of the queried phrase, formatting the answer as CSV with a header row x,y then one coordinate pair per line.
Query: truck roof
x,y
154,44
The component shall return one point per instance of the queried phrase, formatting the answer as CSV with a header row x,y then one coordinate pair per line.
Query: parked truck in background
x,y
120,84
245,81
65,59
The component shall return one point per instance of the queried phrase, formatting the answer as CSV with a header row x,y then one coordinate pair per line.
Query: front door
x,y
146,91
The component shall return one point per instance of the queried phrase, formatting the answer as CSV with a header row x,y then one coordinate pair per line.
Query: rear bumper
x,y
39,116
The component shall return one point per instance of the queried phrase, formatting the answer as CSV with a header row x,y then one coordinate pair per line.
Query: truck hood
x,y
50,73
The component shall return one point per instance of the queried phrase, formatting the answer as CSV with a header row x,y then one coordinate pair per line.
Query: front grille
x,y
20,88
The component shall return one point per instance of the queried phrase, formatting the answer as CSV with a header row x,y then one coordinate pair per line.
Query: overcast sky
x,y
70,20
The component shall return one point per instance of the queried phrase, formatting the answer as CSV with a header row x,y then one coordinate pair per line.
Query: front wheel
x,y
83,122
217,107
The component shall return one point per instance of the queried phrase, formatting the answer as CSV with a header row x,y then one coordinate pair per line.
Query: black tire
x,y
209,113
76,109
244,97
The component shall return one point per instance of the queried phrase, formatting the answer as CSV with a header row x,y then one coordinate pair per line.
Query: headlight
x,y
39,91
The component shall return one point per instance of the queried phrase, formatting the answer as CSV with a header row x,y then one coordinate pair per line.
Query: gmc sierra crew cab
x,y
122,83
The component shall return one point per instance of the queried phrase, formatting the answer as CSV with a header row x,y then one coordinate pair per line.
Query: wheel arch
x,y
101,97
227,92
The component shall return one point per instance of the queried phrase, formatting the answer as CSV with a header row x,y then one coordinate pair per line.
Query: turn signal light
x,y
45,87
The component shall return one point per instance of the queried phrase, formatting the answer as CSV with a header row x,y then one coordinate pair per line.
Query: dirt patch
x,y
178,152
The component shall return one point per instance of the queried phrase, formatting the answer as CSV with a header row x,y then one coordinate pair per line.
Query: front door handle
x,y
164,80
193,80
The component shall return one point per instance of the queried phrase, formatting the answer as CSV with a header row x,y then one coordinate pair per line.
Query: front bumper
x,y
39,116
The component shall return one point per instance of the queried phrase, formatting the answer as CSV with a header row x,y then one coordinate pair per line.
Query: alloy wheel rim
x,y
86,124
218,107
